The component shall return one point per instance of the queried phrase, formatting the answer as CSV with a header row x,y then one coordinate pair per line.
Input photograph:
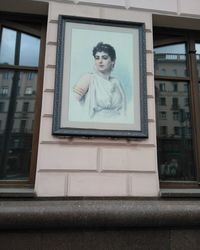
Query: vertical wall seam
x,y
178,7
127,4
99,160
101,12
129,185
66,185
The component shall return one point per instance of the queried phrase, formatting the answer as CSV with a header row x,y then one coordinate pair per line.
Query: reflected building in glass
x,y
18,89
174,133
20,136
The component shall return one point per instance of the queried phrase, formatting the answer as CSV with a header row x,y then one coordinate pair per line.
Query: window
x,y
177,131
162,101
162,87
25,107
19,70
186,101
178,138
2,107
187,115
22,125
186,87
28,91
175,102
163,71
163,115
3,91
30,76
163,130
6,75
174,72
176,116
175,87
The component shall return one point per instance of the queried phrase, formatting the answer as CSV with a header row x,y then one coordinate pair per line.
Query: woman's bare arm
x,y
82,86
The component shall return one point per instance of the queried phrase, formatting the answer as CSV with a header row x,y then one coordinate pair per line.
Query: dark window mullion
x,y
172,78
18,67
17,48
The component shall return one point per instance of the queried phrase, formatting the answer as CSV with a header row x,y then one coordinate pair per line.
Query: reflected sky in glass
x,y
197,47
29,50
7,49
171,49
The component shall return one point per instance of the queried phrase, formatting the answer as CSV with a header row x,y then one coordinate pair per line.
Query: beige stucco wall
x,y
95,167
102,167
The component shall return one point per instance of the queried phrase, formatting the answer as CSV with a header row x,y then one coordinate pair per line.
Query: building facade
x,y
105,186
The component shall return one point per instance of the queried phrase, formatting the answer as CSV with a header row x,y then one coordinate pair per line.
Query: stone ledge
x,y
98,213
180,193
17,193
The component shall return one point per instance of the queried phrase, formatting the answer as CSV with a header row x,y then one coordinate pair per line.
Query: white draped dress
x,y
104,97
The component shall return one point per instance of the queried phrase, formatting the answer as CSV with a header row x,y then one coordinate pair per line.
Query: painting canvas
x,y
100,85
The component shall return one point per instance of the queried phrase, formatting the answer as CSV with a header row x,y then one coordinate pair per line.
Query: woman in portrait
x,y
99,92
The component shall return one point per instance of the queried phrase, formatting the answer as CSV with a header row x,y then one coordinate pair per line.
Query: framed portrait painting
x,y
100,83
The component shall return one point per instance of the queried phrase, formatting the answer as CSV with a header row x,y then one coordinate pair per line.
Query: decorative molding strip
x,y
49,90
52,43
50,66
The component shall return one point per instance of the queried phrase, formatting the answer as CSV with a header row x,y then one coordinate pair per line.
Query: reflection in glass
x,y
5,92
7,49
29,50
16,141
199,91
197,47
174,136
170,60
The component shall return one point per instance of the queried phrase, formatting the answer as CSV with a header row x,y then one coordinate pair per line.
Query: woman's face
x,y
103,62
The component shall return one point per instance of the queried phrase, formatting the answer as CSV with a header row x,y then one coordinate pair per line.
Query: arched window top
x,y
19,48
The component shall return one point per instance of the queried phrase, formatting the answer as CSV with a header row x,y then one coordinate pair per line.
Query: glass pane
x,y
199,91
174,133
16,144
197,47
6,77
6,80
170,60
29,50
7,49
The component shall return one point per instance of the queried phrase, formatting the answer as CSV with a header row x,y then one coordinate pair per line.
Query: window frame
x,y
32,25
189,37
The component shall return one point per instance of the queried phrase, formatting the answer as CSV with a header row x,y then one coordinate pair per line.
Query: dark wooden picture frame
x,y
100,103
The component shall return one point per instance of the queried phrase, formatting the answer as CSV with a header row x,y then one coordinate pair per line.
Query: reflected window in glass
x,y
162,101
163,115
4,91
2,107
28,91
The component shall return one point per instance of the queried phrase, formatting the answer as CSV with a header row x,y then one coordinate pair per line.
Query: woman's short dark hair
x,y
107,48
